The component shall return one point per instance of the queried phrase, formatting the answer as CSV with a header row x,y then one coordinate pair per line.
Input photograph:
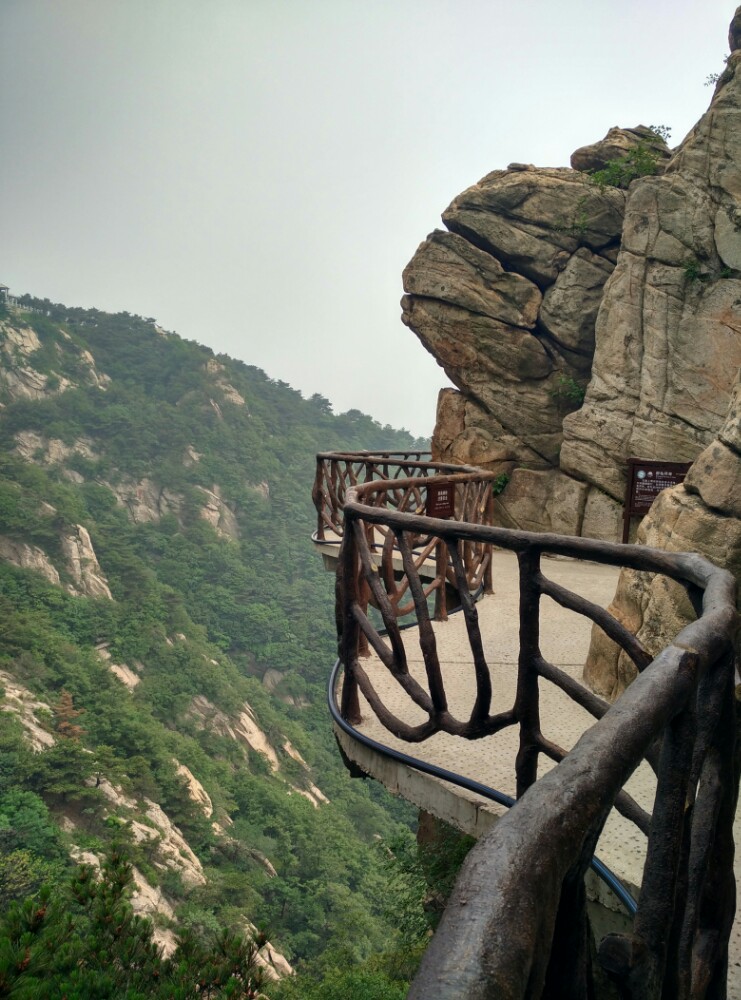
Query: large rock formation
x,y
568,356
487,299
702,515
668,337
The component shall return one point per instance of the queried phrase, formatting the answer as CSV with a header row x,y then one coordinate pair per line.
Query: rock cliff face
x,y
583,324
486,299
20,374
668,337
702,515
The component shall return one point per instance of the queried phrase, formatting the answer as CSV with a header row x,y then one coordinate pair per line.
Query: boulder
x,y
616,144
506,302
465,434
448,268
532,221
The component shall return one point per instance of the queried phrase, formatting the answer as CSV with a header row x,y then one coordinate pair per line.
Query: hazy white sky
x,y
256,173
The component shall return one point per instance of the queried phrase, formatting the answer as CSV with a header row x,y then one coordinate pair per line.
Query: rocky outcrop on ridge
x,y
80,561
702,515
486,299
82,564
20,378
244,729
583,324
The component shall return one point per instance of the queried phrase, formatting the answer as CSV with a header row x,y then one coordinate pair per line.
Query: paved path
x,y
564,641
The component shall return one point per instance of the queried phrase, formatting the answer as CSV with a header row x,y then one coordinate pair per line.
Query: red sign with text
x,y
440,500
646,479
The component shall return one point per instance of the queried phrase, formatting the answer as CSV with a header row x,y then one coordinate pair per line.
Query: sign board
x,y
646,479
440,500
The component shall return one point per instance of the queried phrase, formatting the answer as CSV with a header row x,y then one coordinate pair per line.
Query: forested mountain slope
x,y
165,633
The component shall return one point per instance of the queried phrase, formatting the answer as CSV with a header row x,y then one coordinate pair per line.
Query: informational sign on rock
x,y
646,479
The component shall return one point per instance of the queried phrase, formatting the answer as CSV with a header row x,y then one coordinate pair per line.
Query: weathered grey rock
x,y
657,338
603,517
19,379
716,478
730,432
35,447
668,334
448,268
27,556
566,504
532,221
570,305
145,500
465,434
214,367
616,144
218,513
82,564
475,302
702,515
541,500
523,502
509,372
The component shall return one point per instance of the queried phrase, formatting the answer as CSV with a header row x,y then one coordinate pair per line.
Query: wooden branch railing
x,y
407,479
516,924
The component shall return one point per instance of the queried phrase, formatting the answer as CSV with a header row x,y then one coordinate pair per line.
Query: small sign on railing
x,y
646,479
440,500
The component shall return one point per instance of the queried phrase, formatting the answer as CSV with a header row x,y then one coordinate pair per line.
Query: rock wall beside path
x,y
584,324
702,515
668,332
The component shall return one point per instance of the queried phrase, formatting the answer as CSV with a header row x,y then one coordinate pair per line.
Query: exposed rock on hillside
x,y
244,729
213,367
27,556
702,515
34,447
218,513
145,500
196,790
21,378
130,678
80,561
20,701
82,564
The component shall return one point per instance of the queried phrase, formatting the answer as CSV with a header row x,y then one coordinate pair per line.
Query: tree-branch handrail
x,y
686,690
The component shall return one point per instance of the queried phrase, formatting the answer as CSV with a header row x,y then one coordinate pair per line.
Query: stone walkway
x,y
564,641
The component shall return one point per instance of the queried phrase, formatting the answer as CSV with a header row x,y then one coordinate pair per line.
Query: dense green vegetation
x,y
199,614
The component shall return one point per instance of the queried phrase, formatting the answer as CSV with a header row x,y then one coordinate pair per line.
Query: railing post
x,y
527,698
318,498
348,628
334,499
488,547
441,576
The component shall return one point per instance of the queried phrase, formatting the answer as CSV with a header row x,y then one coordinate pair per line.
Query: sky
x,y
255,174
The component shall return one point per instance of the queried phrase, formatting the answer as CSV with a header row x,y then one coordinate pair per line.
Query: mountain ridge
x,y
156,577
